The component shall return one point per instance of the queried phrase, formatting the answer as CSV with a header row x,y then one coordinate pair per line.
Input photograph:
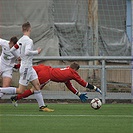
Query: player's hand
x,y
83,97
98,90
39,50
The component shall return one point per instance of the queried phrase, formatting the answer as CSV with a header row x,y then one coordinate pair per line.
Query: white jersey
x,y
26,51
27,73
7,59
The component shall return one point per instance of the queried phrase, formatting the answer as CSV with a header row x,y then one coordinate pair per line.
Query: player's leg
x,y
25,78
6,82
30,91
19,90
26,93
36,87
12,90
8,90
39,97
6,79
23,83
37,92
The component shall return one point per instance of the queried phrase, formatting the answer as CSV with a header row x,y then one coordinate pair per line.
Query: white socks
x,y
8,90
12,90
1,95
39,98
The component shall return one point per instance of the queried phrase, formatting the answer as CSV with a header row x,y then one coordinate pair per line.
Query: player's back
x,y
25,44
43,73
62,74
46,73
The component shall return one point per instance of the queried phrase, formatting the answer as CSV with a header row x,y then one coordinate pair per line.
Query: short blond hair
x,y
26,26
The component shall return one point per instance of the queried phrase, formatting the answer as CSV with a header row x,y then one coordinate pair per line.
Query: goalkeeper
x,y
64,75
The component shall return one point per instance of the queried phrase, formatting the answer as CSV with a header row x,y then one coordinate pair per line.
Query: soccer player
x,y
64,75
7,61
27,73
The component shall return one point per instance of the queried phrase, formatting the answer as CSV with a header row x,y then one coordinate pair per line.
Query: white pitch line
x,y
120,116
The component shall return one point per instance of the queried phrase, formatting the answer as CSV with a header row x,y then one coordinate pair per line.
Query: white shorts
x,y
27,75
7,73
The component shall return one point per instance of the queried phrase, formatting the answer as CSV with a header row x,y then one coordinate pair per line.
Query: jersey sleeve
x,y
15,50
2,42
29,51
71,87
78,79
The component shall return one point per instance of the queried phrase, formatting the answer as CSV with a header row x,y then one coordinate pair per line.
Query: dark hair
x,y
26,26
75,66
14,39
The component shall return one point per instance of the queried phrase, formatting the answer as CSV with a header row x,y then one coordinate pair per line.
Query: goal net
x,y
70,27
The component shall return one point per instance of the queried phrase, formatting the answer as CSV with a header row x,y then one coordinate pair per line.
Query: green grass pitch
x,y
67,118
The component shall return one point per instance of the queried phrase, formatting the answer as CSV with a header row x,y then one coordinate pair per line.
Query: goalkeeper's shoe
x,y
14,101
45,109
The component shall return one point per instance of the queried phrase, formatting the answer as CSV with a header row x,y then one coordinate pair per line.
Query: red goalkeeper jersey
x,y
47,73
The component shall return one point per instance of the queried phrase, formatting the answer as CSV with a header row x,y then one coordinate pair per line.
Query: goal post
x,y
93,24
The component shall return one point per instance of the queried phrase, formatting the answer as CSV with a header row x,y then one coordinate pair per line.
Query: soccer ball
x,y
96,103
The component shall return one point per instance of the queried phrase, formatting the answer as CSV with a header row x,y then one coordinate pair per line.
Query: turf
x,y
67,118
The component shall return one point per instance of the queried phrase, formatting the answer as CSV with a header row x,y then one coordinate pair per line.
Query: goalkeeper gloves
x,y
94,87
97,90
83,97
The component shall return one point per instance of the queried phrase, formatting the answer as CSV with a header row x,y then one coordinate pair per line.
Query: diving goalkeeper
x,y
64,75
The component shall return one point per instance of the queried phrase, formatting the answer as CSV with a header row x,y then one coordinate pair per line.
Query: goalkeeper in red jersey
x,y
64,75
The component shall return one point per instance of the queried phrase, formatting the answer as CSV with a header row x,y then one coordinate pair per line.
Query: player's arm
x,y
29,52
35,52
14,50
2,42
71,87
86,84
83,96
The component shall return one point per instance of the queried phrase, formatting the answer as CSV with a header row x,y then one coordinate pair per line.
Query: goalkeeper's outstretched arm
x,y
83,83
83,96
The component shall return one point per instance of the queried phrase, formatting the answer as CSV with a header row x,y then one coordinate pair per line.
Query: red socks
x,y
25,94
